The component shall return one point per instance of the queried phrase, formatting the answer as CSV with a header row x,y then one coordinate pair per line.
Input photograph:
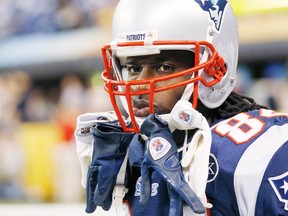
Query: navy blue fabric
x,y
109,148
225,155
167,165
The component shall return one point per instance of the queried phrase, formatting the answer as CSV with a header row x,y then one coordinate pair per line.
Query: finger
x,y
90,189
145,184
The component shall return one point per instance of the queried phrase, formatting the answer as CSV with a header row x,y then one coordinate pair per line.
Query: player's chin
x,y
161,110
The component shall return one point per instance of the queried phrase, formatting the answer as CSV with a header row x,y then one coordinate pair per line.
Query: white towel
x,y
195,154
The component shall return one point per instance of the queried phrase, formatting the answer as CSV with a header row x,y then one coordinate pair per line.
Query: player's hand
x,y
110,145
161,155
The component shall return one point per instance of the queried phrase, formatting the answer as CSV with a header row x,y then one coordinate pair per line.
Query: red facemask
x,y
214,67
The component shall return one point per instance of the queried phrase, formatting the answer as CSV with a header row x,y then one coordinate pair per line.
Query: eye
x,y
132,69
166,68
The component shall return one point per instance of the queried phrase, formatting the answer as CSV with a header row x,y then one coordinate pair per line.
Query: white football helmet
x,y
145,27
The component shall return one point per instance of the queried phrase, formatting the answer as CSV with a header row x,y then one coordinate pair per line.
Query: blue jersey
x,y
158,203
248,169
249,165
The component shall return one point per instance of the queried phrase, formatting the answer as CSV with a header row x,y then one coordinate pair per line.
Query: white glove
x,y
83,137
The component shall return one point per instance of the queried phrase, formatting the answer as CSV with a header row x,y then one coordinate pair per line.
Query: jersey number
x,y
240,128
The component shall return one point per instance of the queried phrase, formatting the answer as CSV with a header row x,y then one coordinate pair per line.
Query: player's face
x,y
154,66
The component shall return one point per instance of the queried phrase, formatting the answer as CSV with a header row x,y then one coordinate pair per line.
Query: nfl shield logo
x,y
280,187
184,116
157,145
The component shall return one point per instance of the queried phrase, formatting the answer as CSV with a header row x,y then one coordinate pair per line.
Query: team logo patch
x,y
85,130
159,147
154,188
280,187
215,8
213,168
184,116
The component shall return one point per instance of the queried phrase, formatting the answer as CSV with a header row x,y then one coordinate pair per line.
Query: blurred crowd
x,y
267,84
37,147
20,17
22,102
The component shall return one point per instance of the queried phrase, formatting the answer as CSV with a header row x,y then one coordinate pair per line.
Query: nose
x,y
147,73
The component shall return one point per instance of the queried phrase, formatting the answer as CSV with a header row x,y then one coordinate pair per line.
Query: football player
x,y
186,143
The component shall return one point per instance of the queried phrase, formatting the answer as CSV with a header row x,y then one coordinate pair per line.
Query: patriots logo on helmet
x,y
184,116
215,8
280,187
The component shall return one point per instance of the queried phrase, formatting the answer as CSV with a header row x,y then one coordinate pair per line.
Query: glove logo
x,y
159,147
85,130
154,188
138,187
280,187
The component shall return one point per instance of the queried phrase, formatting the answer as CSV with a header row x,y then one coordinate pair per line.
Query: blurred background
x,y
50,64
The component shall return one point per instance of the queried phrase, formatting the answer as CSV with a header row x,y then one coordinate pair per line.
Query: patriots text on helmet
x,y
135,37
